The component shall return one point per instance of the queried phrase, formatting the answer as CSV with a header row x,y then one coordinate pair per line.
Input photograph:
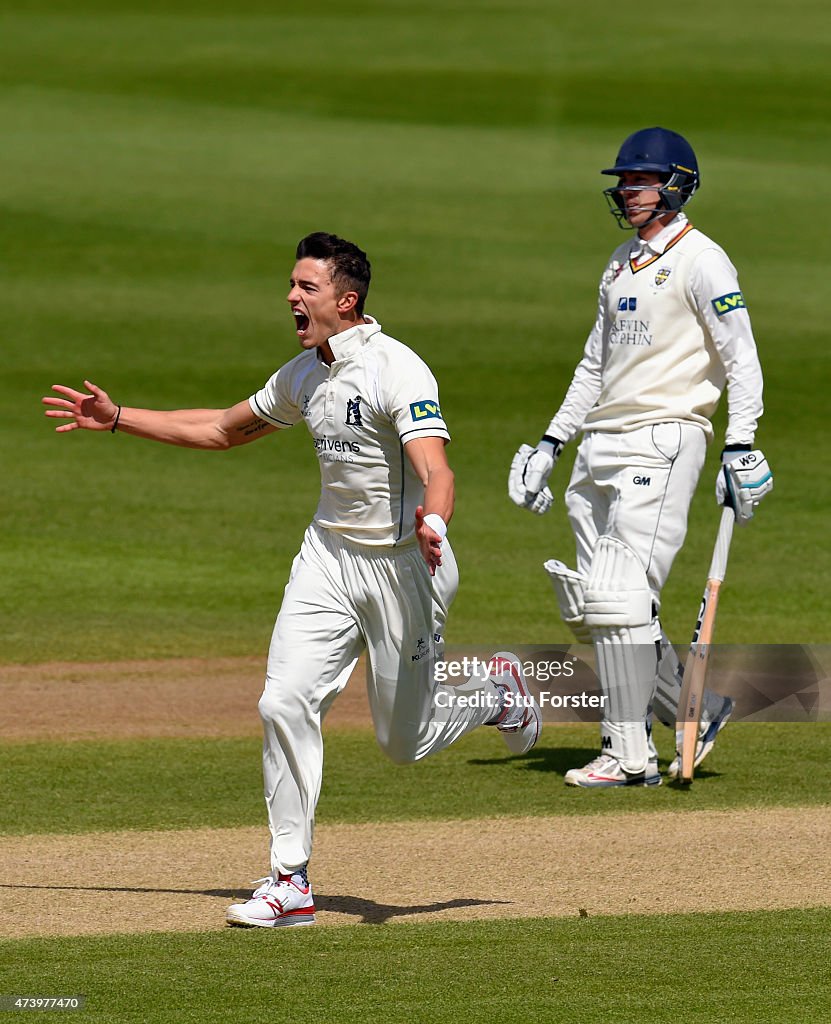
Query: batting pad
x,y
617,590
569,586
627,678
667,684
618,610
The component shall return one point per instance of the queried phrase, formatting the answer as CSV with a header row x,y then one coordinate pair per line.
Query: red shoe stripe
x,y
501,665
511,667
300,911
289,881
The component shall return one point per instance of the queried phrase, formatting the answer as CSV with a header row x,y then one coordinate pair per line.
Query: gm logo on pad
x,y
727,303
425,410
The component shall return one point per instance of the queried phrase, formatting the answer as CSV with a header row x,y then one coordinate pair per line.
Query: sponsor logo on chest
x,y
330,433
333,449
630,331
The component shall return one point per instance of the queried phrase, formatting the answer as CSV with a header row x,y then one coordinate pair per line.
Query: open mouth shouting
x,y
301,322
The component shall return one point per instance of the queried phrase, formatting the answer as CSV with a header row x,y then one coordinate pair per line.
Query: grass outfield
x,y
161,162
85,787
735,969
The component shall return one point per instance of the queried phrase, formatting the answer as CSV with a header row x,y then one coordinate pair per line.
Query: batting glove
x,y
530,470
743,480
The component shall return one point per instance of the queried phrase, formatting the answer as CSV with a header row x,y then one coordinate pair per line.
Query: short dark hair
x,y
350,268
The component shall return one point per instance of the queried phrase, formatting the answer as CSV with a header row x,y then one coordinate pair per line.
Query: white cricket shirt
x,y
671,330
361,411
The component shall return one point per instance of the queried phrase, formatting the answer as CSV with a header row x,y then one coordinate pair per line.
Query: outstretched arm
x,y
209,429
429,460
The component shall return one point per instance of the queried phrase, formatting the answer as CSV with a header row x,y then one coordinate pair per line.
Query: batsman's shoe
x,y
606,771
282,902
707,732
520,720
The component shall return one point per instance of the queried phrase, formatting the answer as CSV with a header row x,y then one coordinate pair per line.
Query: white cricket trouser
x,y
342,598
635,486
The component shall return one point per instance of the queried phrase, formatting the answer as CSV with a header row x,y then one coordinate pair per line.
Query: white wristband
x,y
436,524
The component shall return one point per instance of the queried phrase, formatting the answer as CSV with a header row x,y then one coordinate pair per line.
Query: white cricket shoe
x,y
520,721
277,903
605,771
707,732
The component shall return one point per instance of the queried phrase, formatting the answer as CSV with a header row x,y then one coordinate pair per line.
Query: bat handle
x,y
718,566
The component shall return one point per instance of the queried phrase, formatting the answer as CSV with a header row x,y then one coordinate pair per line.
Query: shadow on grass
x,y
371,912
700,775
557,760
368,911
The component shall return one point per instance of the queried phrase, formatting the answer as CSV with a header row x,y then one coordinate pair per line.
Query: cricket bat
x,y
695,668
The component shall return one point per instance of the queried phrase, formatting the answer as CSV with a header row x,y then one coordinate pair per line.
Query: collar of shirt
x,y
644,250
348,343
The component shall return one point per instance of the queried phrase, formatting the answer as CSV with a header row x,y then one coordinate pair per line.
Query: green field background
x,y
160,163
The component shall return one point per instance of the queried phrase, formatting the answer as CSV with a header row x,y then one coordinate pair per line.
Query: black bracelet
x,y
115,422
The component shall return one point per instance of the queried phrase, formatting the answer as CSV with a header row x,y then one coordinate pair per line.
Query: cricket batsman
x,y
375,571
672,330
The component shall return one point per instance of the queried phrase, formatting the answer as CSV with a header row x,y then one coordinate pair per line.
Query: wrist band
x,y
115,421
730,451
551,445
436,524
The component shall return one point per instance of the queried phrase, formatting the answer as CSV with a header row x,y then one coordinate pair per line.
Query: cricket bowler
x,y
375,571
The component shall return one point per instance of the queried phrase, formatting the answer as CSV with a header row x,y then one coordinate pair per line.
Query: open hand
x,y
95,411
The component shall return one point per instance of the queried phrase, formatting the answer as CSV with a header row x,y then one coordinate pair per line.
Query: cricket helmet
x,y
659,151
